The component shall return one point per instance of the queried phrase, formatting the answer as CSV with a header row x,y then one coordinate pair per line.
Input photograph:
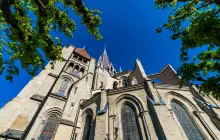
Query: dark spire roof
x,y
105,59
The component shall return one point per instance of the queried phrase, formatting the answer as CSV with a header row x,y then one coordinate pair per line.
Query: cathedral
x,y
82,98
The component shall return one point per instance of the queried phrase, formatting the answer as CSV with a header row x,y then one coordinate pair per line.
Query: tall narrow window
x,y
70,68
87,127
130,125
63,87
115,84
81,72
49,128
124,82
76,71
186,122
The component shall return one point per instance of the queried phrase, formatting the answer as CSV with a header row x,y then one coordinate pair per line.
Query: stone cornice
x,y
58,97
68,122
37,97
12,134
53,75
89,101
125,89
172,87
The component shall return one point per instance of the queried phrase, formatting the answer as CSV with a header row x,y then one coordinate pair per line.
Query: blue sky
x,y
128,30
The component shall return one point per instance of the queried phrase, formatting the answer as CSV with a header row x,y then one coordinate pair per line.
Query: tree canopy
x,y
197,24
23,38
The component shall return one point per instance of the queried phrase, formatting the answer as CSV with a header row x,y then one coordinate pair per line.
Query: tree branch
x,y
206,4
10,18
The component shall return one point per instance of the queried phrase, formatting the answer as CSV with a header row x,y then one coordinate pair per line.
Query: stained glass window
x,y
63,87
87,127
186,122
49,128
130,125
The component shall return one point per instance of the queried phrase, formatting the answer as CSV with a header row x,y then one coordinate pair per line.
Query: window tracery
x,y
63,87
186,122
130,124
49,128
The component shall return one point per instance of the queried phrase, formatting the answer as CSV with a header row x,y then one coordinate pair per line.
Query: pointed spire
x,y
100,58
105,48
105,58
120,70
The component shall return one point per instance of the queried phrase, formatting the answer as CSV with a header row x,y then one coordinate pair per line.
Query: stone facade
x,y
83,99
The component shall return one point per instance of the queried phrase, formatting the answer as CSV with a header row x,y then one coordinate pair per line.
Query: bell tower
x,y
104,69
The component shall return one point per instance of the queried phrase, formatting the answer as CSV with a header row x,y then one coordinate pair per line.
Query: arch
x,y
186,121
66,77
130,124
124,83
189,107
70,67
182,97
89,125
54,110
134,81
76,68
49,124
115,84
49,129
130,98
87,111
76,71
80,58
81,72
64,83
138,106
75,56
61,88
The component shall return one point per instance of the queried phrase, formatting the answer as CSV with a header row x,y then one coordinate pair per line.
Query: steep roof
x,y
167,75
105,59
82,52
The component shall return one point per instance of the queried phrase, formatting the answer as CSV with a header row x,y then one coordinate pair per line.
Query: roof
x,y
82,52
167,75
105,59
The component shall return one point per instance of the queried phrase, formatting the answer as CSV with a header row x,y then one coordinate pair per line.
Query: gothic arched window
x,y
70,68
49,128
186,122
63,87
124,83
130,124
134,81
76,71
115,85
87,127
81,72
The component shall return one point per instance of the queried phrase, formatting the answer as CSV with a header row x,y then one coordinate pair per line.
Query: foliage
x,y
23,38
197,24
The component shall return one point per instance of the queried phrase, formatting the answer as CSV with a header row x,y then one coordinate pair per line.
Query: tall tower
x,y
104,72
50,100
80,99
